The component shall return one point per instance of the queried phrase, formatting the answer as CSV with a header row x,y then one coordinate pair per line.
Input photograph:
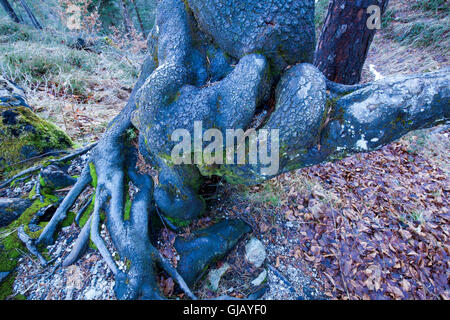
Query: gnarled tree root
x,y
110,168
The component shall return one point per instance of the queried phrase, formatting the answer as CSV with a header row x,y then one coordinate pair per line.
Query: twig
x,y
82,210
52,161
39,156
165,220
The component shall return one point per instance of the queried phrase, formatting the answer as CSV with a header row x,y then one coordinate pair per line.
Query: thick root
x,y
47,235
114,164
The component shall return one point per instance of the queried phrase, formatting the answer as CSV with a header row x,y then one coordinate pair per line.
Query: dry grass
x,y
80,91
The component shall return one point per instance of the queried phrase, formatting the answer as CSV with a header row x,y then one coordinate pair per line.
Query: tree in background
x,y
30,14
10,11
127,14
345,40
138,16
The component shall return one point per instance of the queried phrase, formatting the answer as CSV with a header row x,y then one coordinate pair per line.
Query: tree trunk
x,y
126,17
33,19
139,17
10,11
345,40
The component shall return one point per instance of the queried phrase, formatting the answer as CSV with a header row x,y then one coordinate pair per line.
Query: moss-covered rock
x,y
24,135
11,209
10,245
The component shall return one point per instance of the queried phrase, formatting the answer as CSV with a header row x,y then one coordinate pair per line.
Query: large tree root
x,y
110,168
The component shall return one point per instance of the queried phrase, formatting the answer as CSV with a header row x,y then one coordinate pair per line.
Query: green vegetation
x,y
424,34
33,58
268,193
25,132
6,287
320,15
12,247
421,23
432,5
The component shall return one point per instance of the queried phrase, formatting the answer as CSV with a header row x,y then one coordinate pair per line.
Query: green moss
x,y
69,219
32,193
20,297
222,171
92,245
26,133
12,246
42,181
127,208
178,222
93,174
6,287
87,213
128,264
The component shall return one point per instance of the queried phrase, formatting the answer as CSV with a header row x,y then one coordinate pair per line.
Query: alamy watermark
x,y
238,147
374,21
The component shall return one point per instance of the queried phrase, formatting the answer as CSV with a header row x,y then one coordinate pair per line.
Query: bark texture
x,y
345,40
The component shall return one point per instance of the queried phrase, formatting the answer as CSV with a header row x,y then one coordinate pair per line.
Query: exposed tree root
x,y
29,243
48,233
82,211
111,166
80,246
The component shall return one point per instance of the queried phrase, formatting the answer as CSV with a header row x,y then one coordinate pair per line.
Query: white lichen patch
x,y
303,92
362,143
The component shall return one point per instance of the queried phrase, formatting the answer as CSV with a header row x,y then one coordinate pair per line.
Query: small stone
x,y
215,275
69,294
56,178
91,294
255,252
260,279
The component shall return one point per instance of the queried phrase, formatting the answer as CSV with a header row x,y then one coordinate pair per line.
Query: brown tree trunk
x,y
10,11
138,17
345,40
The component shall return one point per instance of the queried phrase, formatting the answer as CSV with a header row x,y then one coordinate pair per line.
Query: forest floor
x,y
371,226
